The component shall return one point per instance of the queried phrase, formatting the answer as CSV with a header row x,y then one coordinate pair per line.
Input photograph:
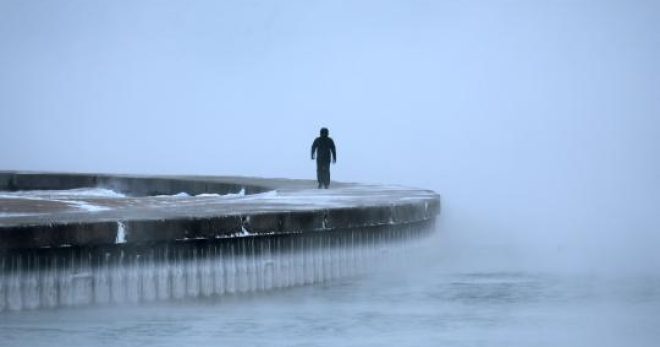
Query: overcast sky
x,y
536,120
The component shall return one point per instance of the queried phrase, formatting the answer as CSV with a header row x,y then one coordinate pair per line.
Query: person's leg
x,y
326,176
322,169
319,174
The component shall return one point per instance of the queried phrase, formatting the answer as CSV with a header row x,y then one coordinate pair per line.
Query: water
x,y
429,296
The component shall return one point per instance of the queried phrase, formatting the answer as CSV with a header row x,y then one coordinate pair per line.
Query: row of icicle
x,y
242,265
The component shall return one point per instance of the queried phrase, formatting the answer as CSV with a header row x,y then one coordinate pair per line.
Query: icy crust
x,y
19,208
79,193
82,199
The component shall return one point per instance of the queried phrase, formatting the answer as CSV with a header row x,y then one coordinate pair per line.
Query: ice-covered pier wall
x,y
160,238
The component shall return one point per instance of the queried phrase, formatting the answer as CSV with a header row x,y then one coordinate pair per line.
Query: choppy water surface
x,y
427,299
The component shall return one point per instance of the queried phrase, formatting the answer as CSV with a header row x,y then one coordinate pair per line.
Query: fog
x,y
537,121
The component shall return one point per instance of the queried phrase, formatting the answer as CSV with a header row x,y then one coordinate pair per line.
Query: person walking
x,y
323,148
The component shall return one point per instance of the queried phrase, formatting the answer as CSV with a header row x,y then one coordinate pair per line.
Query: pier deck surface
x,y
61,209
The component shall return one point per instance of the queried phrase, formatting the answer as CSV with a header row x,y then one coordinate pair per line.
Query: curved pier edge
x,y
144,217
179,237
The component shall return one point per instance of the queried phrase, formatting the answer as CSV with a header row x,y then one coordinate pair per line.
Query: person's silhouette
x,y
323,147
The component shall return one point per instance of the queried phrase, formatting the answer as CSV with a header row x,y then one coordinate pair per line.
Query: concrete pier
x,y
79,239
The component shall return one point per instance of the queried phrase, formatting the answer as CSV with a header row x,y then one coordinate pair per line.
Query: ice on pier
x,y
74,277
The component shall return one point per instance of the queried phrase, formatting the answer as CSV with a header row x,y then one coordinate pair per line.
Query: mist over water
x,y
434,294
537,122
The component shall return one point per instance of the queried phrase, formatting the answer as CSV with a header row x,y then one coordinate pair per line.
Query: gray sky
x,y
538,121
